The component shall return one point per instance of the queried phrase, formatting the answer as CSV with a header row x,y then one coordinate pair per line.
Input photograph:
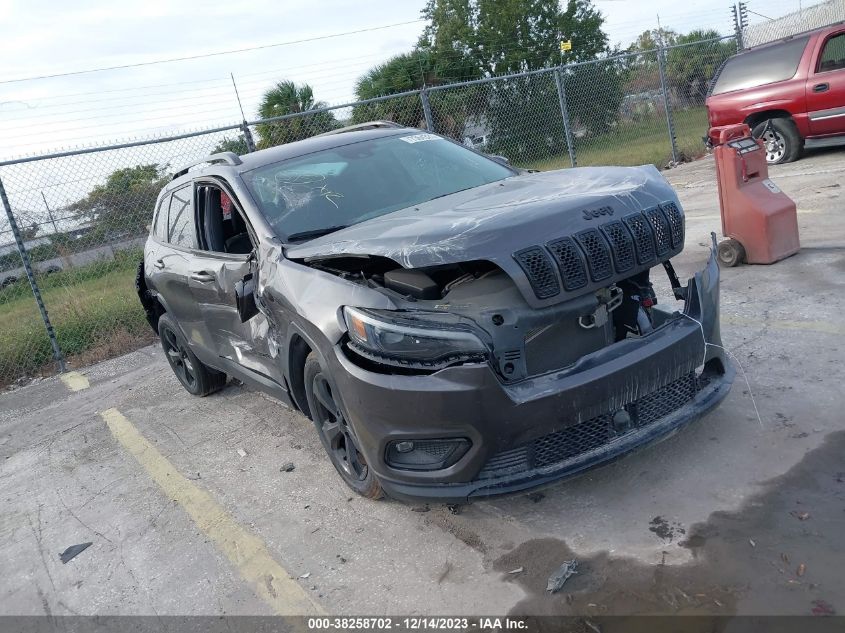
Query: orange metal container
x,y
756,214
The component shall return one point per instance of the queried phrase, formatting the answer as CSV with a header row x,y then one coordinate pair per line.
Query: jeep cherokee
x,y
452,326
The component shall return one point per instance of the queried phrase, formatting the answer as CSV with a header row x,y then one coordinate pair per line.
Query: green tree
x,y
514,36
690,68
237,145
124,203
411,71
286,97
651,40
520,35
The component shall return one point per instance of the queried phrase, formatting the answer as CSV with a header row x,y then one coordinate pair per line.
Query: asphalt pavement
x,y
189,509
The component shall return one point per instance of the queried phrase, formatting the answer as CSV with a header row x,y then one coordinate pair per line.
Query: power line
x,y
216,54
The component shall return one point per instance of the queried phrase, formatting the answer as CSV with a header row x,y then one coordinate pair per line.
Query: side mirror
x,y
500,159
245,298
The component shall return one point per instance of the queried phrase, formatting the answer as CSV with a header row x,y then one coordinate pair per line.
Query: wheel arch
x,y
299,345
153,303
756,118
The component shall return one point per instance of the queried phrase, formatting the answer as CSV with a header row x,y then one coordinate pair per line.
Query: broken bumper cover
x,y
548,427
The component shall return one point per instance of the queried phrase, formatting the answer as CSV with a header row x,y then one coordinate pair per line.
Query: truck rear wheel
x,y
781,139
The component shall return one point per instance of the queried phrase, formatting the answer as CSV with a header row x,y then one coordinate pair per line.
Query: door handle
x,y
159,263
821,87
202,276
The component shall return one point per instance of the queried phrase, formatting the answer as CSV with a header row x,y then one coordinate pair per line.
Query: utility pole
x,y
49,212
739,12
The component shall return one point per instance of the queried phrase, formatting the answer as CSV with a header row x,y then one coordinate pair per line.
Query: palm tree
x,y
284,98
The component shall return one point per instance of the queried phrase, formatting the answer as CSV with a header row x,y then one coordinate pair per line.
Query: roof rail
x,y
369,125
229,158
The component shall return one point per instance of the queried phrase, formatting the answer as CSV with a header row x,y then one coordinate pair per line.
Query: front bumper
x,y
546,427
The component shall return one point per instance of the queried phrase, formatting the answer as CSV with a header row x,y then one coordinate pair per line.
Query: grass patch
x,y
94,310
637,143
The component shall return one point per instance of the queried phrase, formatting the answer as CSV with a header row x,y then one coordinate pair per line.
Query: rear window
x,y
761,66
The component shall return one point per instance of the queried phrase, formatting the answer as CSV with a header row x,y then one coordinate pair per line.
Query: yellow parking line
x,y
75,381
825,327
245,550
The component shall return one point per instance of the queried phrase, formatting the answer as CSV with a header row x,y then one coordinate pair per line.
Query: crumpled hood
x,y
494,221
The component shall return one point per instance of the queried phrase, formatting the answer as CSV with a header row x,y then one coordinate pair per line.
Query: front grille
x,y
661,403
621,244
643,241
572,441
597,252
660,227
538,268
506,462
594,433
569,262
611,251
676,223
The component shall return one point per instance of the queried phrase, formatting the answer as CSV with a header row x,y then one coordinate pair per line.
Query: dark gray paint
x,y
493,221
485,223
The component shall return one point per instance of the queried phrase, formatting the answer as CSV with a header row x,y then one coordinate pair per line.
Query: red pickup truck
x,y
791,92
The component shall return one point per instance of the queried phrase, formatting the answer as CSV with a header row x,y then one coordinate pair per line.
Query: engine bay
x,y
525,341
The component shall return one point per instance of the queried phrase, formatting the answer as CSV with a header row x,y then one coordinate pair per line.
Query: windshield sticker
x,y
418,138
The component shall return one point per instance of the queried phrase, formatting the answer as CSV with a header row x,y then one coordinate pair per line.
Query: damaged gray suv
x,y
453,327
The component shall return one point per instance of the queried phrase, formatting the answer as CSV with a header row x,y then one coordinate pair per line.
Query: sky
x,y
52,37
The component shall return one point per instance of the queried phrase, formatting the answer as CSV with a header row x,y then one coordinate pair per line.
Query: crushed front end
x,y
498,374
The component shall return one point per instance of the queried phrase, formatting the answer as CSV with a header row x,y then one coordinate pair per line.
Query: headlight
x,y
395,340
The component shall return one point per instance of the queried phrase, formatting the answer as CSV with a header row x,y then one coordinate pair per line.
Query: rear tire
x,y
335,432
782,141
197,378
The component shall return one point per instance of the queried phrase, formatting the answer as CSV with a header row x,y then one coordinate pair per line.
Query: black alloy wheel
x,y
179,361
195,377
336,434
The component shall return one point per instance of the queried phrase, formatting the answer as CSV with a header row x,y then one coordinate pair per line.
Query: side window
x,y
181,228
222,227
160,227
761,66
833,55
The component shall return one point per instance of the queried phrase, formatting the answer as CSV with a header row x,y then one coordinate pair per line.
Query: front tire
x,y
335,432
783,143
197,379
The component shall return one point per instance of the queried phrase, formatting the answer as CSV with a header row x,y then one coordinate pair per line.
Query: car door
x,y
826,87
215,272
170,265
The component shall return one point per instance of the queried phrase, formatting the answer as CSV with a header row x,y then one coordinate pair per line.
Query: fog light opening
x,y
426,454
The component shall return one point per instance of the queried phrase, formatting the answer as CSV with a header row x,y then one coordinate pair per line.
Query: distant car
x,y
791,93
454,327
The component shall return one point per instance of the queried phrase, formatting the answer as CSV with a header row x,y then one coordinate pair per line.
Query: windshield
x,y
312,195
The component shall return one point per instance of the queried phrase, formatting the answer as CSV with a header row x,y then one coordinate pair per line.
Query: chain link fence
x,y
76,221
800,21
